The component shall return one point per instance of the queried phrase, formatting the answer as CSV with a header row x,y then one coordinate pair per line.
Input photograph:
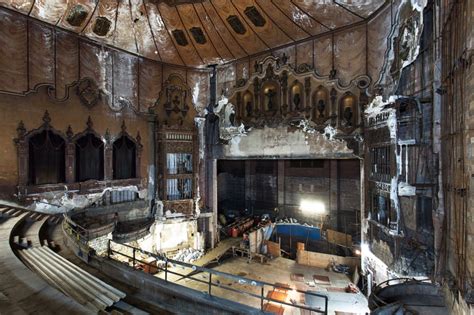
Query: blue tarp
x,y
298,230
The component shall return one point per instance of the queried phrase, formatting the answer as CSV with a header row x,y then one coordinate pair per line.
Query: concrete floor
x,y
278,270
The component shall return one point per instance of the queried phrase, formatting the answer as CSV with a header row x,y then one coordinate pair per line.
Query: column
x,y
152,158
281,187
200,164
248,185
70,162
214,233
333,194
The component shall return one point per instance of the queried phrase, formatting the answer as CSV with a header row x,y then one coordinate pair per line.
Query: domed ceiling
x,y
198,33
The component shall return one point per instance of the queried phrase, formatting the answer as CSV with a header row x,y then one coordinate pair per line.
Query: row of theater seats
x,y
43,281
83,287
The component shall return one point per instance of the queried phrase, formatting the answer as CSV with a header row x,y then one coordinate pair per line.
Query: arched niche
x,y
89,151
46,157
126,155
320,104
348,110
248,104
297,96
270,96
41,155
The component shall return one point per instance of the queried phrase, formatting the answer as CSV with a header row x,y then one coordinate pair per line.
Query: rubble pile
x,y
188,255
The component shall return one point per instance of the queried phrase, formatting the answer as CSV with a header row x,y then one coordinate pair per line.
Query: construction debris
x,y
188,255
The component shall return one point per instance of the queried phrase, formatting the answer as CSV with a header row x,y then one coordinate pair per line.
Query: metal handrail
x,y
240,280
82,236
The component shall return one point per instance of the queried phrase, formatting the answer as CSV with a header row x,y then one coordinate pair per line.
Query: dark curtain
x,y
89,158
46,158
124,158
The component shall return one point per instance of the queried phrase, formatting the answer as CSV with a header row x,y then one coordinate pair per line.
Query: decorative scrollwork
x,y
303,68
46,119
241,82
69,132
21,130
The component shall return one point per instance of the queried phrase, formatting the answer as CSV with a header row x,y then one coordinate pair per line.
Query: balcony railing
x,y
210,283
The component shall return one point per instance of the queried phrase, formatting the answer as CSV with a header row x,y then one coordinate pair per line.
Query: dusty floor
x,y
278,270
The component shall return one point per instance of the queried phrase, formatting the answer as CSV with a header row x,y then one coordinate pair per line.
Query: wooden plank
x,y
339,238
321,260
273,249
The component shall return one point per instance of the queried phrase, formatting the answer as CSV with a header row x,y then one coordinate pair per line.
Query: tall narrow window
x,y
124,158
89,158
424,219
46,158
380,163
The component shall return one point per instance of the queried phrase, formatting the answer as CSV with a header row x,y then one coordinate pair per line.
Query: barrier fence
x,y
210,283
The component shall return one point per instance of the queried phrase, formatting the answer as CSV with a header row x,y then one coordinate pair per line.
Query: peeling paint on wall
x,y
403,43
287,142
172,234
60,202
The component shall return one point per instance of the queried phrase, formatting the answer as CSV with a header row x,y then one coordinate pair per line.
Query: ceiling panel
x,y
270,33
284,22
203,44
248,40
173,23
200,32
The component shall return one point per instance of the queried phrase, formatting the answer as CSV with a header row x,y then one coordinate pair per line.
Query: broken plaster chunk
x,y
330,132
405,189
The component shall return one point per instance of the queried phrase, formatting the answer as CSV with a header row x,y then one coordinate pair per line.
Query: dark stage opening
x,y
320,193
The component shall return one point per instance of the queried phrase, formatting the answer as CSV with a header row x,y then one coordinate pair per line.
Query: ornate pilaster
x,y
70,156
108,156
22,147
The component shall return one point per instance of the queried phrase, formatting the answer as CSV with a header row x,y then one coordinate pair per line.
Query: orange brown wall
x,y
31,108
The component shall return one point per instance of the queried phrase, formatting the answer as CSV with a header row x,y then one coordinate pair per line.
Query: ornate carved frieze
x,y
277,93
70,139
175,101
227,127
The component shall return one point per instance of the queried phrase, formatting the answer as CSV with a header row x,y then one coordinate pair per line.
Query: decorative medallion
x,y
88,93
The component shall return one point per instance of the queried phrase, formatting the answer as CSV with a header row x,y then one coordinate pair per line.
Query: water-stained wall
x,y
35,53
46,68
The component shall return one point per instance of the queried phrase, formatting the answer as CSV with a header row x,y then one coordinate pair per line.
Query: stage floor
x,y
279,270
